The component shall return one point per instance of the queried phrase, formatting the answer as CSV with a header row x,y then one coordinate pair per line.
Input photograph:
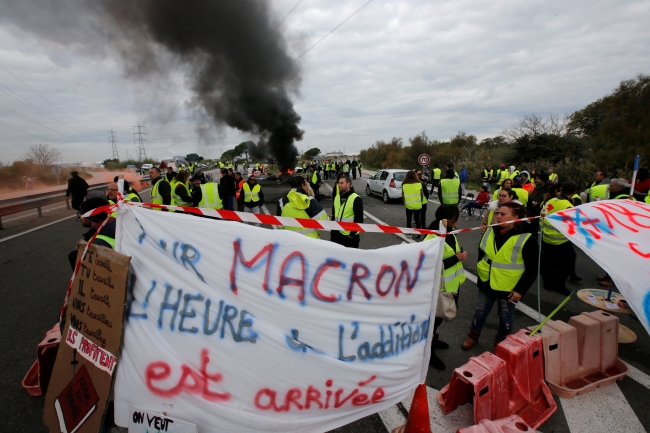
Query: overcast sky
x,y
393,70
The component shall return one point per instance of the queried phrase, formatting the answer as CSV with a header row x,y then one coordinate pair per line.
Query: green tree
x,y
463,140
311,154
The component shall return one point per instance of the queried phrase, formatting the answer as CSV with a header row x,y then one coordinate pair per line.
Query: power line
x,y
334,29
112,139
42,97
32,106
289,13
29,118
171,81
46,139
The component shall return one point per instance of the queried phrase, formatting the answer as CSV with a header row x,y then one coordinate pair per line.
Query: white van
x,y
145,168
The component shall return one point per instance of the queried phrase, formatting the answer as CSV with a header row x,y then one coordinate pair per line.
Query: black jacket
x,y
227,183
164,189
77,187
530,254
108,230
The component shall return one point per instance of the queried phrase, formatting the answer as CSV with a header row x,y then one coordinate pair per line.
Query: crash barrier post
x,y
483,381
528,395
511,424
38,377
418,420
582,355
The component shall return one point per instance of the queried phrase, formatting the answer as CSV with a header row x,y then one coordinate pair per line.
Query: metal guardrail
x,y
37,201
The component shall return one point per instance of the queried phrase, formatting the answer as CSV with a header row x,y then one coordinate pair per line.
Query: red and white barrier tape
x,y
297,222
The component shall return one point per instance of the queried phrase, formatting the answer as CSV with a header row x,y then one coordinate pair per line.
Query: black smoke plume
x,y
258,152
235,54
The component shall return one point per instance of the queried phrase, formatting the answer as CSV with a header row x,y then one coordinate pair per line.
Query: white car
x,y
388,183
145,168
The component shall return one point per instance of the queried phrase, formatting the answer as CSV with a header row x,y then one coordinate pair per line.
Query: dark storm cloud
x,y
234,53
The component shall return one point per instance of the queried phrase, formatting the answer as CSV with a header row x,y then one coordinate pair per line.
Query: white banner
x,y
243,329
616,235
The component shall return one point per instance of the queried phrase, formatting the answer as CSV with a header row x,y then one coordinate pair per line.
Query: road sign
x,y
57,170
424,159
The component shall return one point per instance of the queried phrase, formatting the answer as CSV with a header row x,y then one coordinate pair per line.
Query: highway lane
x,y
35,272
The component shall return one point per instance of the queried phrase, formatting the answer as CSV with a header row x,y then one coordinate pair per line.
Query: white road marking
x,y
603,410
266,211
639,376
36,228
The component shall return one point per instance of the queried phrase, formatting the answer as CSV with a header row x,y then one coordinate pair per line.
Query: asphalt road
x,y
35,273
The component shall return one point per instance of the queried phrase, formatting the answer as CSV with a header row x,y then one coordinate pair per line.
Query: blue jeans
x,y
484,306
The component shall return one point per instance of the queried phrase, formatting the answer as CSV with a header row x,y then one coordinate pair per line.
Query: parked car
x,y
145,168
132,167
387,183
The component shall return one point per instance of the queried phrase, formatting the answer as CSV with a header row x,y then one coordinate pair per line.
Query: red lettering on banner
x,y
288,281
238,256
634,248
355,278
319,273
265,399
191,381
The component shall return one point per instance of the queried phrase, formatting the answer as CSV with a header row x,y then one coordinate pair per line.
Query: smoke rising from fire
x,y
242,74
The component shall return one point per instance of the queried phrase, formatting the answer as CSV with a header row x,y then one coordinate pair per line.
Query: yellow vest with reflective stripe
x,y
598,192
345,213
210,196
504,267
109,240
412,193
251,195
574,196
454,276
132,197
288,210
513,174
550,234
314,178
623,197
176,199
156,198
436,173
449,191
552,177
503,174
113,214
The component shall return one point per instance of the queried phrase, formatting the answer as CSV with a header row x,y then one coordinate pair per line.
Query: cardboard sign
x,y
90,344
244,329
144,421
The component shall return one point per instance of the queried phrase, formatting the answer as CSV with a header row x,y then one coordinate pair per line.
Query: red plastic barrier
x,y
512,424
529,396
38,377
483,381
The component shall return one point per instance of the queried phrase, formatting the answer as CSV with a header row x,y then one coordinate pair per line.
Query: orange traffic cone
x,y
418,420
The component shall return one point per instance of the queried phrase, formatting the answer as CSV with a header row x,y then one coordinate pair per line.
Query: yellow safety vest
x,y
522,195
623,197
550,234
487,174
598,192
552,177
454,276
289,210
574,196
210,196
436,173
176,199
503,267
156,198
346,168
412,195
647,198
314,178
109,240
251,195
345,213
132,197
113,214
503,174
513,174
449,191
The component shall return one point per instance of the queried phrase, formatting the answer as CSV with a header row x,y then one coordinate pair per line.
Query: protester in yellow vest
x,y
619,189
412,196
506,269
502,174
298,204
505,184
252,196
453,275
553,177
180,192
450,190
209,195
558,255
348,207
160,188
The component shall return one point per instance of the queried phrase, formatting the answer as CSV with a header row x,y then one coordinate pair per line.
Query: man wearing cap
x,y
502,174
106,237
